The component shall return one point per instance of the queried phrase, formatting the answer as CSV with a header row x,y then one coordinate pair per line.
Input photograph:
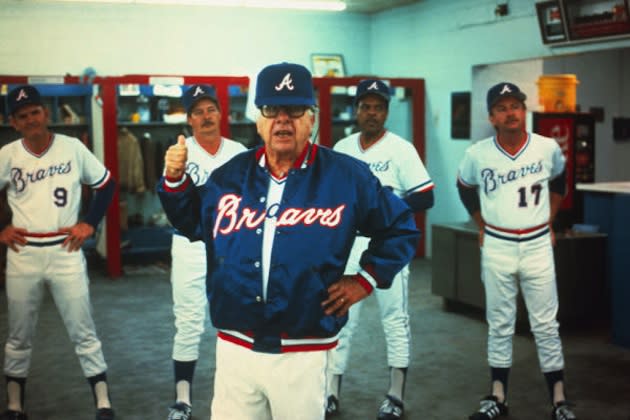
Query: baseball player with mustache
x,y
395,162
44,173
512,184
207,150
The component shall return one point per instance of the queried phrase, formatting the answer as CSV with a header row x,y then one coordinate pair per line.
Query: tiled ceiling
x,y
374,6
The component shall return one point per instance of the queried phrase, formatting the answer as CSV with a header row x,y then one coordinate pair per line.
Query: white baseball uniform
x,y
44,193
188,267
396,163
515,205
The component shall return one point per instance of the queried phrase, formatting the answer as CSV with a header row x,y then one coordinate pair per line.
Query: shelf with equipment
x,y
157,108
567,22
145,110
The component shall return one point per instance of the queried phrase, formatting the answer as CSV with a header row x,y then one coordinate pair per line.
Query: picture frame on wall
x,y
460,115
328,65
550,20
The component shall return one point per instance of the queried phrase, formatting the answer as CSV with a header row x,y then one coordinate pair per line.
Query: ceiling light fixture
x,y
324,5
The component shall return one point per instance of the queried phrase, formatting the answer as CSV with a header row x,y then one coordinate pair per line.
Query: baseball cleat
x,y
561,411
14,415
180,411
490,409
104,414
391,409
332,406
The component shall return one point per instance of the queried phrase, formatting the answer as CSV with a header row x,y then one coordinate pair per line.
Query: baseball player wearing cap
x,y
512,184
43,173
207,150
278,222
395,162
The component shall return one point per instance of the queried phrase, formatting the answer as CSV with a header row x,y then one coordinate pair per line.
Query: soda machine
x,y
575,133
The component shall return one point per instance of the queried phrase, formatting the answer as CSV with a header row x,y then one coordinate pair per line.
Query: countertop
x,y
622,187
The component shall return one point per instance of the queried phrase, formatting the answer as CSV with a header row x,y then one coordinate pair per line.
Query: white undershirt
x,y
274,197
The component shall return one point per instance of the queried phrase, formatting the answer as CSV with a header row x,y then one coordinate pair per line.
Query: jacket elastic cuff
x,y
364,283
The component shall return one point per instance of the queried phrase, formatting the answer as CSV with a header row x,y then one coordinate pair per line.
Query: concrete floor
x,y
447,377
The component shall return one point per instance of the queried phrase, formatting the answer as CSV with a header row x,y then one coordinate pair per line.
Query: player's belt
x,y
517,235
280,344
45,238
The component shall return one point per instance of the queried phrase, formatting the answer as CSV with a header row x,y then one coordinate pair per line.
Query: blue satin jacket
x,y
328,198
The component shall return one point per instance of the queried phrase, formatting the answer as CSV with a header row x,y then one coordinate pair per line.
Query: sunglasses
x,y
293,111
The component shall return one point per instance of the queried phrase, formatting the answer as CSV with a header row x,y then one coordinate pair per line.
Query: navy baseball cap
x,y
197,92
371,86
284,84
23,95
504,90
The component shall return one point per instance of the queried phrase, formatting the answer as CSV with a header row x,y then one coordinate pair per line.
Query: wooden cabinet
x,y
583,290
565,22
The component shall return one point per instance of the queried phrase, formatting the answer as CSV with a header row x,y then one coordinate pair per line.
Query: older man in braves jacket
x,y
278,223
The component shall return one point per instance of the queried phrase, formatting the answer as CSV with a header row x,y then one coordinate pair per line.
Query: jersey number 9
x,y
61,197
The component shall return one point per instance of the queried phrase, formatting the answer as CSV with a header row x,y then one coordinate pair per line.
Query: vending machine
x,y
575,133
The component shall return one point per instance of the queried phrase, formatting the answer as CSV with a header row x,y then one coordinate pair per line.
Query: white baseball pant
x,y
28,272
250,385
506,265
394,314
190,302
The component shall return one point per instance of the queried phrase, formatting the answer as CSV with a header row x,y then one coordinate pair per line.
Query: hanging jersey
x,y
513,189
44,190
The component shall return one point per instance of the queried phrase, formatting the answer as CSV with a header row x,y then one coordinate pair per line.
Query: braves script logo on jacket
x,y
21,179
233,219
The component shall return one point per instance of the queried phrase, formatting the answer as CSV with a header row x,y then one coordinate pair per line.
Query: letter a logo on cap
x,y
21,95
198,91
373,86
506,89
286,82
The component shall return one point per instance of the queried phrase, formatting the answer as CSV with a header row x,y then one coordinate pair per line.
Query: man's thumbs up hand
x,y
175,159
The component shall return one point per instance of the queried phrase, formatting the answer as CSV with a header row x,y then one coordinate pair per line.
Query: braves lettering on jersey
x,y
393,160
513,189
200,163
44,190
263,290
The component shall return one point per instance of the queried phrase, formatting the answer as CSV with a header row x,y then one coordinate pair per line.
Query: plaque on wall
x,y
550,19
